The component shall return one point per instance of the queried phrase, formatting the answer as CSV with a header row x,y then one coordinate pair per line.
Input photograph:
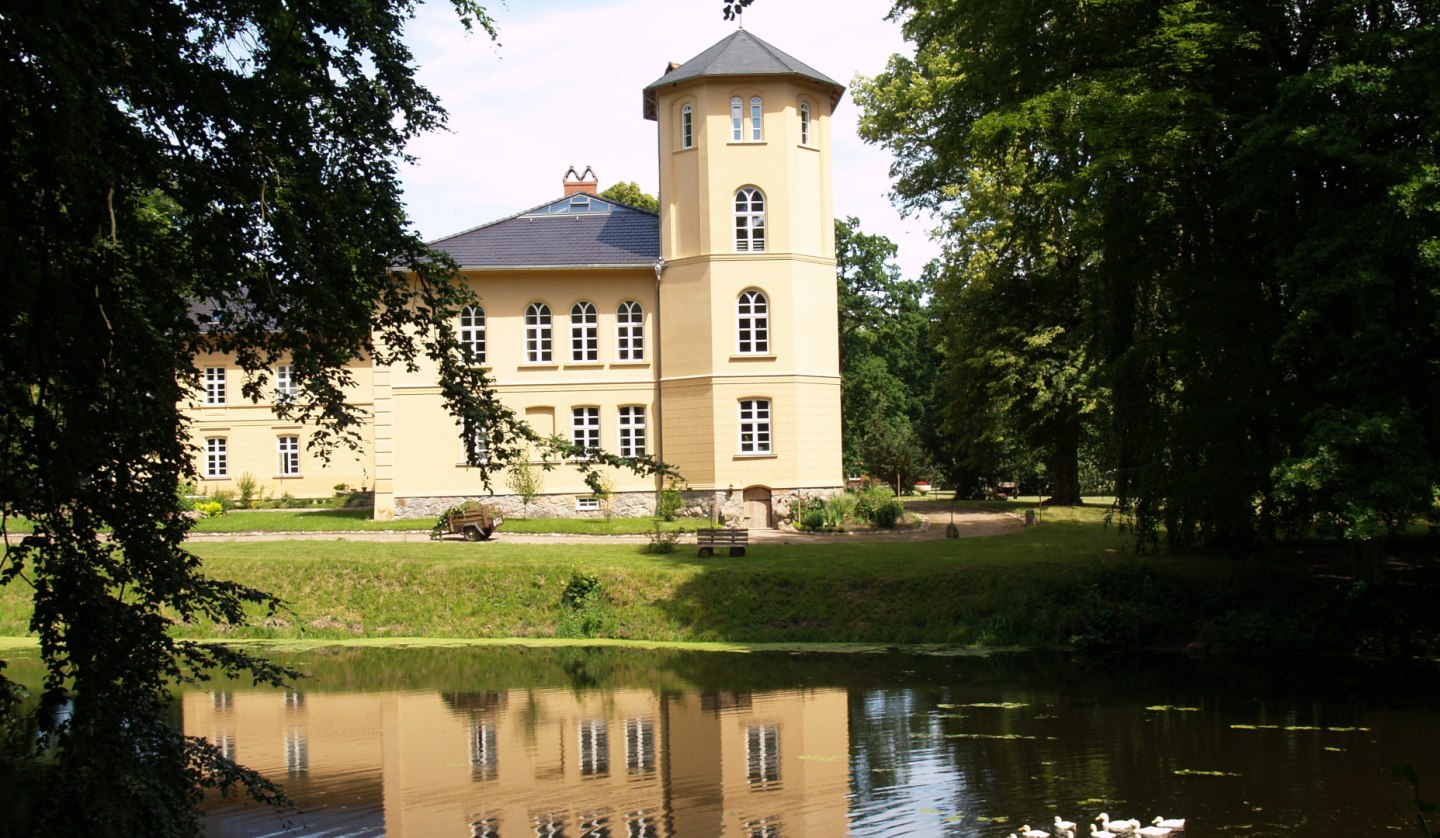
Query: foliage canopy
x,y
1210,225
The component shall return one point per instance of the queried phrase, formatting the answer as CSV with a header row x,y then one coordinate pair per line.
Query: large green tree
x,y
1218,219
887,366
178,176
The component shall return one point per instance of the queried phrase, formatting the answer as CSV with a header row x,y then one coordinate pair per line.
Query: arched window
x,y
584,333
749,221
537,333
630,332
687,127
737,114
752,324
472,334
804,123
755,120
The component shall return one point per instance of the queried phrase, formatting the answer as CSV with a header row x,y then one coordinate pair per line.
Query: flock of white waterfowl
x,y
1106,828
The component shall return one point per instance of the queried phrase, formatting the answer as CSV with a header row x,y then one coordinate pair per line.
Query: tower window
x,y
804,123
687,127
754,426
755,120
752,322
749,221
737,116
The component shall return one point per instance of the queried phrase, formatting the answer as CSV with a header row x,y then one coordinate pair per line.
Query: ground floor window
x,y
754,426
289,456
217,459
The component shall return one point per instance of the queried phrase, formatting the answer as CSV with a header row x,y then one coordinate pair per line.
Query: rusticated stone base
x,y
728,508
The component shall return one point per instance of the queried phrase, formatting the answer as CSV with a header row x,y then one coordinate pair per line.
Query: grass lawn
x,y
1068,582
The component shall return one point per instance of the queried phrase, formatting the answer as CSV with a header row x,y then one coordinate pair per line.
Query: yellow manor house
x,y
705,336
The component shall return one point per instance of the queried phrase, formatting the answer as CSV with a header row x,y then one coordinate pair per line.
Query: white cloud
x,y
563,87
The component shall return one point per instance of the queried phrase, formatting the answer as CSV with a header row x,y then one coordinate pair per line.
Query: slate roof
x,y
609,234
740,54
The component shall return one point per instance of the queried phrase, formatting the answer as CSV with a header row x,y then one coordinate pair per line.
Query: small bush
x,y
869,500
838,510
889,514
662,541
668,501
212,509
813,520
248,491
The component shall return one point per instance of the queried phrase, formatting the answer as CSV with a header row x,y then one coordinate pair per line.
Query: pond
x,y
607,741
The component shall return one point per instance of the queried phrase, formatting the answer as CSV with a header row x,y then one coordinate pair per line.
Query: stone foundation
x,y
727,507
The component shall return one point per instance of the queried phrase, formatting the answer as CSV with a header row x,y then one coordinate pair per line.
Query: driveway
x,y
933,516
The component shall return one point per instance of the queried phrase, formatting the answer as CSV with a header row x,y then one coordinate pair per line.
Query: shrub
x,y
870,499
248,491
662,541
813,520
668,501
838,510
889,514
212,509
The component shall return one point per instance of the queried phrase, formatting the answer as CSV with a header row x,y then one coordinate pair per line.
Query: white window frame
x,y
631,425
687,127
737,119
287,447
472,334
762,755
481,445
805,126
640,745
630,332
538,343
285,389
587,503
757,120
214,385
584,333
749,220
217,458
585,427
755,427
752,323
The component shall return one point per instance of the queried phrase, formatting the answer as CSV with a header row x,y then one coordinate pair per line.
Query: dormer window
x,y
580,203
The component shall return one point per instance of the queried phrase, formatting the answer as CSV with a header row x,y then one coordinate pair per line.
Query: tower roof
x,y
740,54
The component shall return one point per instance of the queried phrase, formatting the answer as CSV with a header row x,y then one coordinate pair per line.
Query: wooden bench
x,y
711,538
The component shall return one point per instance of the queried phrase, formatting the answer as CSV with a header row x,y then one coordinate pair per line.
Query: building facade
x,y
704,335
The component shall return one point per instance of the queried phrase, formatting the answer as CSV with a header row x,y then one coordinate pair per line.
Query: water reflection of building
x,y
616,763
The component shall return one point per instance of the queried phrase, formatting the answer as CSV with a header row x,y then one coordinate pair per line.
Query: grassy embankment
x,y
1067,582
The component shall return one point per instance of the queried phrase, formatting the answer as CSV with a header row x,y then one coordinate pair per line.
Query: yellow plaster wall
x,y
252,430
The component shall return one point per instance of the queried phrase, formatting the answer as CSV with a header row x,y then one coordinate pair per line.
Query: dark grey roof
x,y
560,233
740,54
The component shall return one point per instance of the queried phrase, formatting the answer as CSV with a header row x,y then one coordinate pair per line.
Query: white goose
x,y
1027,832
1097,832
1117,827
1154,831
1064,826
1169,823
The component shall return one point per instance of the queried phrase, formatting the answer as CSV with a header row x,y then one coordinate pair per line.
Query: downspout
x,y
659,399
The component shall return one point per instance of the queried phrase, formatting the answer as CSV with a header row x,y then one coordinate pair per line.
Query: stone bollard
x,y
1029,517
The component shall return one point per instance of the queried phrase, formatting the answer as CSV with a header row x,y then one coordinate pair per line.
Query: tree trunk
x,y
1065,464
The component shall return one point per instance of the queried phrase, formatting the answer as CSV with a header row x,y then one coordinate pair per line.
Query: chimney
x,y
586,182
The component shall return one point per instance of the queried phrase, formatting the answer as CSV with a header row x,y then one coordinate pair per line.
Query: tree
x,y
1214,221
887,367
628,192
525,480
179,177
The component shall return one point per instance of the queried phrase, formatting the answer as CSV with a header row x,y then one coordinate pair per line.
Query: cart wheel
x,y
486,533
706,552
472,533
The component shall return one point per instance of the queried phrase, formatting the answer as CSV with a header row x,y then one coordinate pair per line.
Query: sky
x,y
563,86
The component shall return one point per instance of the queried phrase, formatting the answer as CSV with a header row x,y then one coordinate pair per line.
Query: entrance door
x,y
757,507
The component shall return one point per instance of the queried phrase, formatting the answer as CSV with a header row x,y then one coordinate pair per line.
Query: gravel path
x,y
934,515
